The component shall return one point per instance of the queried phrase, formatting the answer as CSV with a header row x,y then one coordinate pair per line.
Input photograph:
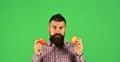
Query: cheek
x,y
63,32
51,32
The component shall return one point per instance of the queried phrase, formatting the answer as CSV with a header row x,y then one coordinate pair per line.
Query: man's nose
x,y
57,30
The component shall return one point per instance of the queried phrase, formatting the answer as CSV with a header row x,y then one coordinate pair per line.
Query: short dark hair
x,y
58,18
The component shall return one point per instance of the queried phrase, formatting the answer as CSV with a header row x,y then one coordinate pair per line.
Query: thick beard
x,y
57,39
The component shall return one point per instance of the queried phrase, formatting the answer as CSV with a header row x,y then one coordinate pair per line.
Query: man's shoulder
x,y
68,44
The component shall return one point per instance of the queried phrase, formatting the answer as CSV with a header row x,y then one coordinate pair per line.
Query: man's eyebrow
x,y
53,25
56,26
61,26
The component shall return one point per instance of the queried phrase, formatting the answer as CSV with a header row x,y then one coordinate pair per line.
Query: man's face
x,y
57,28
57,31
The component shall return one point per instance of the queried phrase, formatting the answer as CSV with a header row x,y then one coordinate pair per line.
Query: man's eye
x,y
54,27
61,28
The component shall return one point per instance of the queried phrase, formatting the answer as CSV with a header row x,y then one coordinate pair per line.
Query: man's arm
x,y
37,50
80,58
36,58
78,49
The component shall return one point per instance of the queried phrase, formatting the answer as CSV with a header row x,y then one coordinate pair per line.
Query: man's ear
x,y
48,29
65,28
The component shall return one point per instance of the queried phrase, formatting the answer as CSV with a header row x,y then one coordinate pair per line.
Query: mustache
x,y
57,35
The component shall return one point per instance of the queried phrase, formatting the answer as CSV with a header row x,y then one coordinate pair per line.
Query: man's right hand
x,y
37,48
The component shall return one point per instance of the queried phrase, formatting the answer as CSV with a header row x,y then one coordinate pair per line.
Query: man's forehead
x,y
55,23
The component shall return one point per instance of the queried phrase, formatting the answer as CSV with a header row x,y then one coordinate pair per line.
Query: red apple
x,y
41,41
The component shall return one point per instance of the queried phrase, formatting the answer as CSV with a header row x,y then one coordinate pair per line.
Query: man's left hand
x,y
78,46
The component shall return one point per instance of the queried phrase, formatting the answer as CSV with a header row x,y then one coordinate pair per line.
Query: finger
x,y
39,52
38,46
79,41
36,41
79,46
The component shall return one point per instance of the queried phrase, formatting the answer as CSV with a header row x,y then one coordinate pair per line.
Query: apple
x,y
73,40
41,41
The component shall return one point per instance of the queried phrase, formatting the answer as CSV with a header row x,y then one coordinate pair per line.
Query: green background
x,y
97,22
